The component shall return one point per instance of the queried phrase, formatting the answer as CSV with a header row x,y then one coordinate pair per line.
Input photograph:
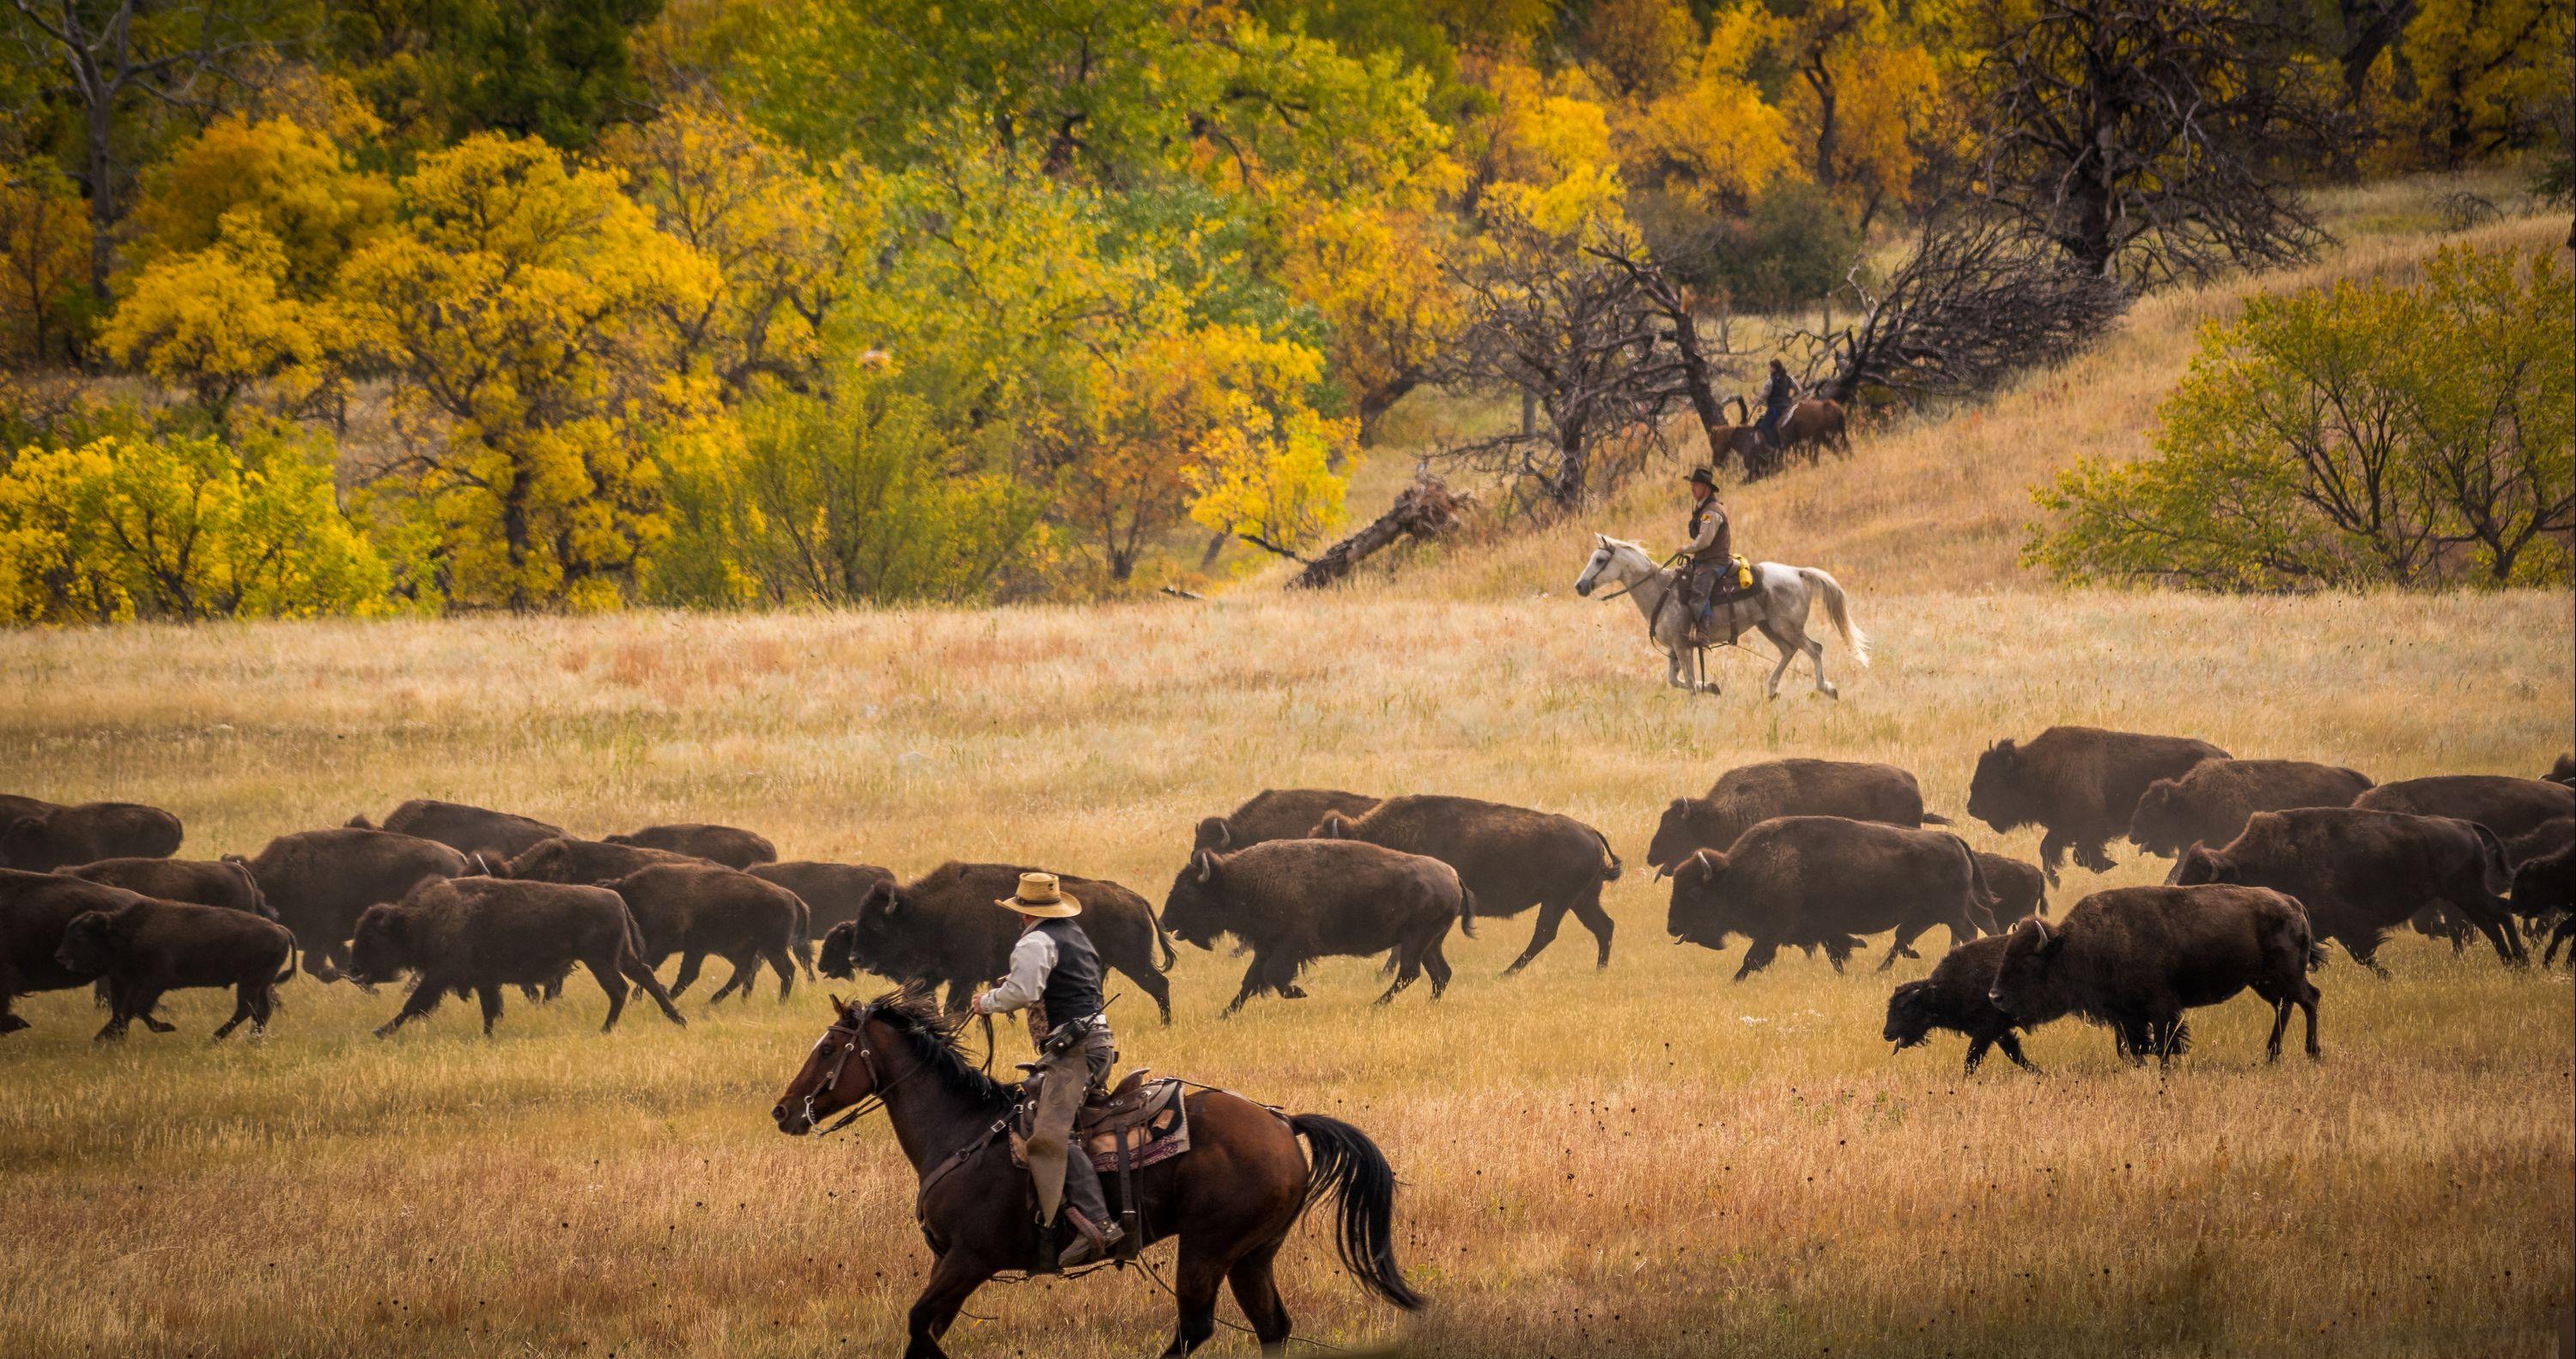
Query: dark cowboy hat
x,y
1700,476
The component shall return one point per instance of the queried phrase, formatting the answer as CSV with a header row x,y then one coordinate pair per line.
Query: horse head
x,y
1621,561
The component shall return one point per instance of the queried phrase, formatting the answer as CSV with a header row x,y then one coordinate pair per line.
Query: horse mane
x,y
937,1039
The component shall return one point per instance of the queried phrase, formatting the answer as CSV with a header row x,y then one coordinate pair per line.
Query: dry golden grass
x,y
1646,1161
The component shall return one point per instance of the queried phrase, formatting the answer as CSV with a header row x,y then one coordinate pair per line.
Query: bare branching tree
x,y
1976,301
2144,137
1695,364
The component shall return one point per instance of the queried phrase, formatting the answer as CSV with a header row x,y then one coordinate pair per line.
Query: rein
x,y
867,1104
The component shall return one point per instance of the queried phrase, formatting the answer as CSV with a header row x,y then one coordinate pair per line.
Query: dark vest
x,y
1722,548
1073,989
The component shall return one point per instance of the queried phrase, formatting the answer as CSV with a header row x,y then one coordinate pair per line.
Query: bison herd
x,y
2273,859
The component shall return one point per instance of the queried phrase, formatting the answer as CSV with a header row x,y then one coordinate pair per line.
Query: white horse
x,y
1779,609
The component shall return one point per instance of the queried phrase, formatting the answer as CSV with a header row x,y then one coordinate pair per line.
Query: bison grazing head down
x,y
1689,824
1912,1013
1193,912
89,943
2024,986
1213,833
1995,795
381,950
1698,912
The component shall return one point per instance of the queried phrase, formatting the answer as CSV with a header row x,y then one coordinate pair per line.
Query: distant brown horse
x,y
1815,425
1231,1199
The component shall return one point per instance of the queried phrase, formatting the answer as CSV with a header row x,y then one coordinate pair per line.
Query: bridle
x,y
1633,584
850,1028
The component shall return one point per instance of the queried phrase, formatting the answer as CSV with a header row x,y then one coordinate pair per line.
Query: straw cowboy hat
x,y
1040,895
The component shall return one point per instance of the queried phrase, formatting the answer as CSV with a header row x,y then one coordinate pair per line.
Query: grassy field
x,y
1642,1161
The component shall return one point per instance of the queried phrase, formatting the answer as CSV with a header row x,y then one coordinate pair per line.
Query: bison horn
x,y
1205,863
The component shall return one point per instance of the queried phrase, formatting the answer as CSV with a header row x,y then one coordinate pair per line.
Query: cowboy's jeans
x,y
1062,1177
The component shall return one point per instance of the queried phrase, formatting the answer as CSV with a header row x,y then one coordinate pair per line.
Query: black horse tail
x,y
1347,1163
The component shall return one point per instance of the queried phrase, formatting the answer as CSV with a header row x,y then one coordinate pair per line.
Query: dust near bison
x,y
1293,901
1508,858
2080,785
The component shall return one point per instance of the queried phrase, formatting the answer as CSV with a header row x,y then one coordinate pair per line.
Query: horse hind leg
x,y
1256,1291
1194,1289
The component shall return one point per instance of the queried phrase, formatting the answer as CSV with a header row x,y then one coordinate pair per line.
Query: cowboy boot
x,y
1092,1244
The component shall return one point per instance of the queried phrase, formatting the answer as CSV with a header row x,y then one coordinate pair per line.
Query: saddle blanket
x,y
1148,1116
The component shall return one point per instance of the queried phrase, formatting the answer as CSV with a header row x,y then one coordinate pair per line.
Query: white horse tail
x,y
1838,608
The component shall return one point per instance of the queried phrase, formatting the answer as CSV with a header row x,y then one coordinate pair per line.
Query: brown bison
x,y
1758,792
1293,901
463,827
1508,858
944,928
831,892
2019,888
1957,997
146,948
2080,784
2563,770
694,909
2361,873
2504,804
482,934
2546,886
1822,881
570,859
320,881
731,846
35,908
225,882
2541,841
40,836
2135,958
2209,804
1278,814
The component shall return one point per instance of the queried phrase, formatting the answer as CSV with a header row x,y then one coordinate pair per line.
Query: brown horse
x,y
1231,1199
1815,425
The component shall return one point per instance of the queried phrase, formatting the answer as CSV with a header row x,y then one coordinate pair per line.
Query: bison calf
x,y
1742,798
146,948
731,846
1278,814
2135,958
2080,785
1508,858
1956,997
2209,804
1821,881
694,909
1293,901
2362,873
482,934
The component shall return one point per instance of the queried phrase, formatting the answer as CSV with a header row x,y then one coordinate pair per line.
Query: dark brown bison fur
x,y
731,846
2541,841
225,882
1293,901
1758,792
2563,770
147,947
832,893
482,934
464,827
695,909
1821,881
1508,858
1955,998
570,859
2019,888
2209,804
40,836
943,928
2080,784
35,908
2361,873
1278,814
2543,887
2504,804
2135,958
320,881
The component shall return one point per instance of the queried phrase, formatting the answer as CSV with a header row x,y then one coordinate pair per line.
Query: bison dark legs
x,y
424,998
2566,930
1436,962
491,998
1152,983
1551,917
2012,1048
746,967
1759,957
1905,936
635,971
689,965
2495,920
250,1001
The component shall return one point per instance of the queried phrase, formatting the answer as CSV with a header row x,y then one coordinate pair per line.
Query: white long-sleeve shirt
x,y
1032,962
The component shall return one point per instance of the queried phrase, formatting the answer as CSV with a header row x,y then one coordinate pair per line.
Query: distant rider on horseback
x,y
1778,399
1054,967
1709,554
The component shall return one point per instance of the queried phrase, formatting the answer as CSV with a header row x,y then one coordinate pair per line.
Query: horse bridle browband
x,y
850,1027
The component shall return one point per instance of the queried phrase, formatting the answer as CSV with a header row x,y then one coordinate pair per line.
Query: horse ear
x,y
1601,539
839,1005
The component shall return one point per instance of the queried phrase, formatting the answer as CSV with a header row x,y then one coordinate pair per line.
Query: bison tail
x,y
1345,1163
2316,956
288,973
1978,890
1466,911
1163,937
1615,868
1838,608
1935,819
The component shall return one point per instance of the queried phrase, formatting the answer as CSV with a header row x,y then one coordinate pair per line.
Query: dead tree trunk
x,y
1427,509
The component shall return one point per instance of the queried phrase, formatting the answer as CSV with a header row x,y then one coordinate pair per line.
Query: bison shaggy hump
x,y
2360,873
2509,806
1822,881
482,934
1955,997
2080,784
147,947
40,836
1293,901
2135,958
1508,858
2210,803
731,846
466,828
1278,814
1758,792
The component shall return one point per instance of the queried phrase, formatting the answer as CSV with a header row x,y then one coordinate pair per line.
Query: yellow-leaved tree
x,y
1544,154
44,262
223,324
1714,139
524,309
300,185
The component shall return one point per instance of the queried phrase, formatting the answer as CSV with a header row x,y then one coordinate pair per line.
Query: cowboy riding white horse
x,y
1778,608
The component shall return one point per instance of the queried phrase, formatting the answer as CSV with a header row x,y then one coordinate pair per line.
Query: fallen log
x,y
1426,510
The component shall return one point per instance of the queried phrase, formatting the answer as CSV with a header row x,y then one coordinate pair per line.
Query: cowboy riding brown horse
x,y
1231,1200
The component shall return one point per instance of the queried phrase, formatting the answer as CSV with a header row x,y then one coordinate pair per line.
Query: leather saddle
x,y
1144,1118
